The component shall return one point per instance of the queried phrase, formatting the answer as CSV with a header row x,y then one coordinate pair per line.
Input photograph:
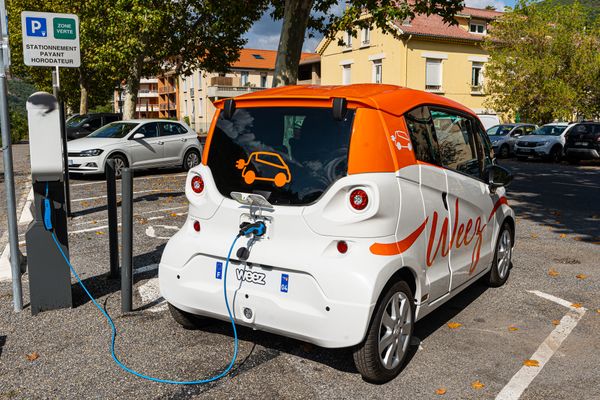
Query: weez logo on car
x,y
250,276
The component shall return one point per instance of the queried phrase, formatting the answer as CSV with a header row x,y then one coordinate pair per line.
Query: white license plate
x,y
581,144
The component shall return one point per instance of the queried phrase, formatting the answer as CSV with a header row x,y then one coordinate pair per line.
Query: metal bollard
x,y
113,235
127,240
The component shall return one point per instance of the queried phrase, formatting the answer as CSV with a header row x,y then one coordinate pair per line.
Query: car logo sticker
x,y
285,279
250,276
219,272
270,159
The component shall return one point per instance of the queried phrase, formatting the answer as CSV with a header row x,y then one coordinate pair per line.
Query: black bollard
x,y
113,235
127,239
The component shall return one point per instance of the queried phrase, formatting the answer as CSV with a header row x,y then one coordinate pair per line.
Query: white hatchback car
x,y
143,143
545,142
359,209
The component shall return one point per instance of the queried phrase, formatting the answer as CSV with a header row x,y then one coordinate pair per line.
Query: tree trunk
x,y
131,90
83,96
295,20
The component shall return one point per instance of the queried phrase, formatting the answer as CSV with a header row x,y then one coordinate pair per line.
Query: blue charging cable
x,y
47,213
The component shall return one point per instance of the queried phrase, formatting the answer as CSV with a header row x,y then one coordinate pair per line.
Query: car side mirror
x,y
138,136
86,126
497,176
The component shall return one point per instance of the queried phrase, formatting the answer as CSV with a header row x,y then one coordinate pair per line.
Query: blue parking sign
x,y
36,27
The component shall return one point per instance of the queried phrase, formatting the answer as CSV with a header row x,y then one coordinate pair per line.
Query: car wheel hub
x,y
394,330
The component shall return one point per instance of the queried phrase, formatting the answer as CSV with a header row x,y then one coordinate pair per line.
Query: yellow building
x,y
428,55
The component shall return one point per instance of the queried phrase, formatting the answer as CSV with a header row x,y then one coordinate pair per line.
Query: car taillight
x,y
197,226
359,199
342,246
197,184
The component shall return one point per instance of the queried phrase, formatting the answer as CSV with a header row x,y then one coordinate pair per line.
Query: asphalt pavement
x,y
553,292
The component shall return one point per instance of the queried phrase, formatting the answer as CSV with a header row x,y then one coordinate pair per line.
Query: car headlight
x,y
540,144
91,153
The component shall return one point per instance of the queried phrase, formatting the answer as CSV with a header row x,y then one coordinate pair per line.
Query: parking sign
x,y
50,40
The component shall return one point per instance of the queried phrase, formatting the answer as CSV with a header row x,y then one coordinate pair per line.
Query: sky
x,y
264,34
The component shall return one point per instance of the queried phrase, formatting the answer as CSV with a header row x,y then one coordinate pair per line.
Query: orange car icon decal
x,y
266,158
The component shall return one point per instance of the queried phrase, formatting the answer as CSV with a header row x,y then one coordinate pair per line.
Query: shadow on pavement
x,y
138,173
2,343
147,197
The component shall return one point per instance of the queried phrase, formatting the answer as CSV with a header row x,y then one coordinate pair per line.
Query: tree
x,y
320,16
544,62
157,35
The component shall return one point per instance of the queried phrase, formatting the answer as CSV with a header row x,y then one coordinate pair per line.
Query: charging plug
x,y
257,228
47,214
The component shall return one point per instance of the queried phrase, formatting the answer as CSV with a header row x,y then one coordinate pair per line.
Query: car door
x,y
514,135
175,139
468,202
433,197
149,150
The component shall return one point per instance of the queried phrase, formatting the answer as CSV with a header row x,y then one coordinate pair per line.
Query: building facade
x,y
251,72
428,55
157,98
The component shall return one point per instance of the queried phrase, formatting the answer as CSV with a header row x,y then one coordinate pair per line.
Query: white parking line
x,y
136,214
118,194
523,378
135,179
98,228
577,184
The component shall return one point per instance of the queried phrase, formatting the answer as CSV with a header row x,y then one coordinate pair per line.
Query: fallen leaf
x,y
99,233
581,276
576,305
173,214
552,272
555,322
441,391
477,385
454,325
533,235
513,328
85,203
598,311
32,356
563,235
578,238
531,363
94,222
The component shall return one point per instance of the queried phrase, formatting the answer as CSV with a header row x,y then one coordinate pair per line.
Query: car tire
x,y
377,358
555,154
120,163
504,151
185,319
502,262
190,159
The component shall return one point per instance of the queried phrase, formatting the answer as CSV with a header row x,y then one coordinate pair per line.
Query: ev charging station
x,y
49,275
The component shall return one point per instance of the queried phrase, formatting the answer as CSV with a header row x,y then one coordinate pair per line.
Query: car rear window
x,y
289,155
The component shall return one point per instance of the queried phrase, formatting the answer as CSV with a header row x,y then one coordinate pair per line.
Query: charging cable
x,y
47,212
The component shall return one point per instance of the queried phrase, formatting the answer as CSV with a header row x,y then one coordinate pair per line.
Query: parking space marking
x,y
576,184
150,232
135,179
151,298
523,378
119,194
136,214
97,228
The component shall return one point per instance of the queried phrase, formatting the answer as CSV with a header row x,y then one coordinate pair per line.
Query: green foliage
x,y
18,93
544,63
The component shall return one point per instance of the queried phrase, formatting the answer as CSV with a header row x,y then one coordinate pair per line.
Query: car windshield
x,y
550,130
289,155
500,130
116,130
76,121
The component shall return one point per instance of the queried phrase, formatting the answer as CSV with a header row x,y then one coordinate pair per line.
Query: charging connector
x,y
257,229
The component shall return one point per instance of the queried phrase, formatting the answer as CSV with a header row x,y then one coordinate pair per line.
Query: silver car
x,y
504,137
143,143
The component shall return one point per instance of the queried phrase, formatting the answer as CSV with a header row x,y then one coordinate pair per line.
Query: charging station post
x,y
63,135
127,232
113,237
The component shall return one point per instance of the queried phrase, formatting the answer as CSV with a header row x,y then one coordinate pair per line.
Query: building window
x,y
477,27
433,75
244,78
377,72
348,40
191,81
346,74
263,79
365,36
477,77
185,109
184,81
200,109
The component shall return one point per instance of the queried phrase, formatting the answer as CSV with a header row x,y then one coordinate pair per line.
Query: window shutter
x,y
433,72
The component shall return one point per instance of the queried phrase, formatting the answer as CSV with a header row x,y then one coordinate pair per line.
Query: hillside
x,y
593,5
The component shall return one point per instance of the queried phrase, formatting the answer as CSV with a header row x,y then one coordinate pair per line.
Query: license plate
x,y
581,144
525,150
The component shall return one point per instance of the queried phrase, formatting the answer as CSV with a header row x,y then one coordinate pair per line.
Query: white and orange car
x,y
388,204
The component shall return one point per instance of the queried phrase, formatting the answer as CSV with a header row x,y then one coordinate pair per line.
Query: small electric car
x,y
392,204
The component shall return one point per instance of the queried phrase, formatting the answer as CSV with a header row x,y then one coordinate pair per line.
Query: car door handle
x,y
183,139
445,199
160,143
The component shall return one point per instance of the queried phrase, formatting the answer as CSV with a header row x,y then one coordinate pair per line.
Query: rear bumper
x,y
541,151
583,154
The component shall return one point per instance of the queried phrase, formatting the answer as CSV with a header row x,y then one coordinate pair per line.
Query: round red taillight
x,y
342,246
359,199
197,184
197,226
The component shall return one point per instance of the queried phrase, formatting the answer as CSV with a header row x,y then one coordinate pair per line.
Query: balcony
x,y
149,80
147,93
230,91
168,106
146,108
167,89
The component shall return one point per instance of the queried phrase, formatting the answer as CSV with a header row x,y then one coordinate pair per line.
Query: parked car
x,y
546,142
144,143
583,142
504,137
360,232
488,120
79,126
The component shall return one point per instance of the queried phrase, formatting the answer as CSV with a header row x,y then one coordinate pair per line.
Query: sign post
x,y
52,40
9,178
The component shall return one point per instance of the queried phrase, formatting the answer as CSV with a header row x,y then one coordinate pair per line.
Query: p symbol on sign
x,y
36,27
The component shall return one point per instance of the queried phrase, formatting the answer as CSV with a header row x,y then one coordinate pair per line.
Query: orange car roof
x,y
392,99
